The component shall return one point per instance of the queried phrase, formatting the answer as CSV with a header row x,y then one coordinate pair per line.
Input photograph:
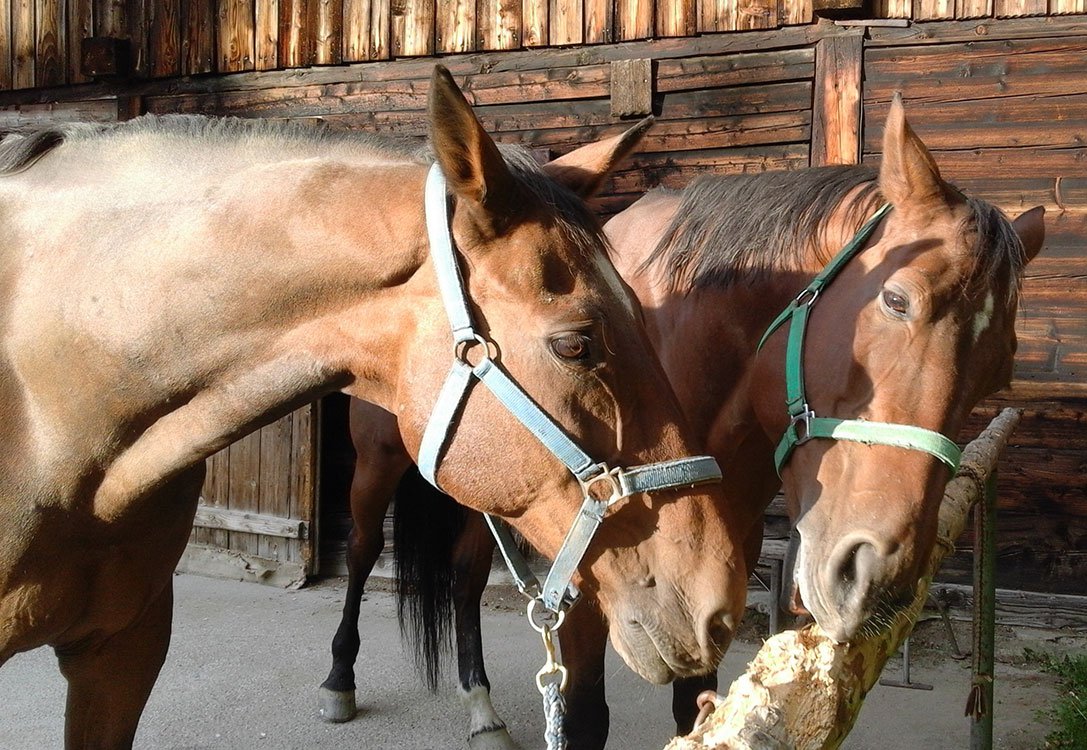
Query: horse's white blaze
x,y
984,316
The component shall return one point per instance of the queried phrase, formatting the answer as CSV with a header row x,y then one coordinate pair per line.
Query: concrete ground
x,y
246,661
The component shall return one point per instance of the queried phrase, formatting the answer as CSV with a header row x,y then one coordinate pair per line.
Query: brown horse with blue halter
x,y
844,390
172,284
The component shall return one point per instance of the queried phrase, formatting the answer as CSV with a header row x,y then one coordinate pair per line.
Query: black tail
x,y
426,524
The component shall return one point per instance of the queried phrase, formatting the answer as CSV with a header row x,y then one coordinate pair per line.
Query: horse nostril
x,y
854,569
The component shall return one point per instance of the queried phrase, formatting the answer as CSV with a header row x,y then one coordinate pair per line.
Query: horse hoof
x,y
493,739
337,706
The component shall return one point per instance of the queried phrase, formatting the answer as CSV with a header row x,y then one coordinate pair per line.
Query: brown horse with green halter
x,y
172,284
906,334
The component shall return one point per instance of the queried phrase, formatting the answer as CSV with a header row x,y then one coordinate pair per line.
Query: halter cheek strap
x,y
601,485
804,425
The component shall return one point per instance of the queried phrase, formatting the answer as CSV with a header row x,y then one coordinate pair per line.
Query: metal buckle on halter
x,y
804,299
611,476
804,417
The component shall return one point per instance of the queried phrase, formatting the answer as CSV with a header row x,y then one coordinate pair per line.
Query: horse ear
x,y
470,160
908,174
585,169
1030,226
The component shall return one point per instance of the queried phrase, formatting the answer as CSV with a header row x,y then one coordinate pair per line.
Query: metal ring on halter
x,y
549,620
804,299
803,418
463,346
611,476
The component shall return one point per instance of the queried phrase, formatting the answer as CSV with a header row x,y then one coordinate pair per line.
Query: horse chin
x,y
638,649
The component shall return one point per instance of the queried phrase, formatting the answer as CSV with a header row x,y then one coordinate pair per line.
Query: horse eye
x,y
571,346
897,304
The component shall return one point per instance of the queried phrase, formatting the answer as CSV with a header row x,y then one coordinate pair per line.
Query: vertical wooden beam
x,y
758,14
983,661
165,38
632,87
455,26
49,31
413,28
266,35
973,8
356,30
633,19
535,18
198,37
836,114
892,8
296,34
381,29
933,10
329,29
304,479
236,35
22,44
718,15
565,22
797,12
5,50
1059,7
80,26
677,18
244,488
1011,8
137,30
498,24
110,18
275,482
601,21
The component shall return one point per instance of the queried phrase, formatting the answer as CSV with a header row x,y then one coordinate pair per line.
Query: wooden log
x,y
49,69
498,24
803,691
836,113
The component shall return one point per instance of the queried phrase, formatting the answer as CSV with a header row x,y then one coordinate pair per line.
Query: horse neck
x,y
274,295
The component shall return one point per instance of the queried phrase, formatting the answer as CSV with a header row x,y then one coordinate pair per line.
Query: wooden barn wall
x,y
42,41
1003,104
1006,120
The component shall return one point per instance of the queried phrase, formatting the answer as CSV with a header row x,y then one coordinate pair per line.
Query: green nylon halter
x,y
801,414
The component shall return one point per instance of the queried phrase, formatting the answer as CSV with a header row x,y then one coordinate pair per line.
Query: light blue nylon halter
x,y
804,425
557,591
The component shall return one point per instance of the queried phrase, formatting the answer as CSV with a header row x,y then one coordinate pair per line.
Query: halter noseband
x,y
617,483
803,423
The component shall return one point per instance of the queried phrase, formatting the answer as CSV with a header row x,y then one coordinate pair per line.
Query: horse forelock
x,y
998,252
734,228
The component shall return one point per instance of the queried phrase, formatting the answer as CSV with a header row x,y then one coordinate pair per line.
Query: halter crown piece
x,y
804,425
557,591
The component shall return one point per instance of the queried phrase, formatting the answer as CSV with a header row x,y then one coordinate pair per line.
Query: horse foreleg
x,y
472,556
583,639
109,680
381,461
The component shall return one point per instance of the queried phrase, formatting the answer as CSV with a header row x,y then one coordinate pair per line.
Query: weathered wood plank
x,y
236,35
633,20
216,495
734,70
356,30
499,24
1058,7
836,115
137,30
933,10
1009,8
566,21
892,8
631,87
328,43
998,69
243,488
210,561
254,523
601,23
6,49
35,116
412,28
677,18
275,481
455,26
797,12
303,492
198,37
973,8
111,18
536,23
718,15
165,38
266,35
1016,608
49,68
381,30
940,32
22,44
296,33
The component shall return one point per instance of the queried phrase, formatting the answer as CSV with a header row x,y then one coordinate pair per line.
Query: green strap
x,y
800,413
869,433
